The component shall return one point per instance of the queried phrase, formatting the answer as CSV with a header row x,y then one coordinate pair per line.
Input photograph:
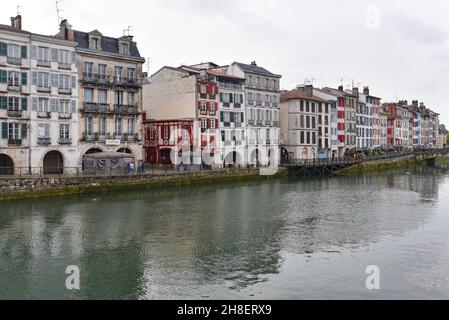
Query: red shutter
x,y
216,90
208,89
208,123
199,105
216,123
199,87
216,107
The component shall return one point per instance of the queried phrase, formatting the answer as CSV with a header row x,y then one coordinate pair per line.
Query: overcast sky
x,y
399,48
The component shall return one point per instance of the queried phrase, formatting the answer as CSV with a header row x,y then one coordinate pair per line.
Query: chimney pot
x,y
16,22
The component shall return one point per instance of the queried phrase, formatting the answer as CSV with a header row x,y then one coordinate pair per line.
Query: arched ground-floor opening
x,y
233,159
125,150
6,165
256,157
53,163
165,156
285,157
94,150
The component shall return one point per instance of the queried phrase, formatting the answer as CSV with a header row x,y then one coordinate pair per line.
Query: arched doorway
x,y
255,158
165,156
233,159
285,158
6,165
53,163
124,150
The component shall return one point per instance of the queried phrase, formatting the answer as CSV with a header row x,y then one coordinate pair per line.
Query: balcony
x,y
15,61
14,142
123,109
276,124
67,91
15,113
88,137
43,89
64,66
43,115
44,141
259,122
92,78
133,83
14,87
130,137
251,122
65,141
118,136
45,64
65,116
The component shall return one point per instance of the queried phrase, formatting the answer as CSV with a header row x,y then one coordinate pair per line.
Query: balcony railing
x,y
44,141
14,60
42,63
89,77
15,142
65,116
65,141
64,66
14,87
43,89
65,91
15,113
43,115
123,109
130,137
88,137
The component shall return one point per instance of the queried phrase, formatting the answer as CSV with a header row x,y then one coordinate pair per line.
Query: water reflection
x,y
210,241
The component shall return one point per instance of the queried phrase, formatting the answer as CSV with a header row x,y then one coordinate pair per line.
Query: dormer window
x,y
94,44
124,48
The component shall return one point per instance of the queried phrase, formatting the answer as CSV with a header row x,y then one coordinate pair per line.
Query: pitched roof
x,y
108,44
256,70
298,94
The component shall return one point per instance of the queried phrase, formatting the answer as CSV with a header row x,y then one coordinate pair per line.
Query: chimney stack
x,y
340,88
366,91
355,92
306,89
16,22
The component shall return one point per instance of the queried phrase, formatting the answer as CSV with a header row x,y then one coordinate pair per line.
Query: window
x,y
124,48
131,126
88,125
131,73
203,107
13,51
301,106
13,104
43,54
212,123
118,126
88,95
64,131
64,82
13,78
43,105
88,69
94,43
102,126
203,89
131,96
64,106
118,97
64,57
43,80
102,71
118,73
302,137
43,130
203,123
103,96
14,131
212,107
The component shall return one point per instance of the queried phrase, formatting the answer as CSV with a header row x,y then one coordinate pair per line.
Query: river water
x,y
283,239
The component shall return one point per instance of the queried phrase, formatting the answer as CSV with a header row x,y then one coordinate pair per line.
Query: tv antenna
x,y
58,10
127,31
18,9
341,81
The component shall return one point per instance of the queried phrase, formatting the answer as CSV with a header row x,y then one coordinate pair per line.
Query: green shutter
x,y
24,78
3,49
3,76
4,130
24,104
24,52
24,130
3,102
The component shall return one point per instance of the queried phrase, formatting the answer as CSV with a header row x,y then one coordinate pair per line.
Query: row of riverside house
x,y
65,96
79,101
330,123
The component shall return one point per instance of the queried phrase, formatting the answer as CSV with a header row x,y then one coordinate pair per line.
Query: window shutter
x,y
54,55
199,105
73,106
73,56
4,102
23,52
221,97
24,104
73,82
47,130
232,117
3,49
207,124
24,130
3,76
4,130
231,96
53,106
34,81
221,116
34,103
207,106
24,78
216,123
33,52
242,117
199,88
55,79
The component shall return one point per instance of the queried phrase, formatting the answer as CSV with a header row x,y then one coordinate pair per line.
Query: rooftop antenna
x,y
313,81
18,10
127,31
58,10
148,65
341,81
